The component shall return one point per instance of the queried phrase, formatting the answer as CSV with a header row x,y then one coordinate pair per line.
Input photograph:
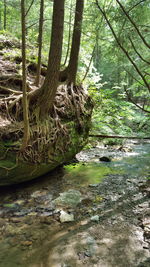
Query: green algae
x,y
84,174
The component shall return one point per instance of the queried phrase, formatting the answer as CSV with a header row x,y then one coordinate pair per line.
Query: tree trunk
x,y
25,103
40,42
0,20
5,14
69,35
49,88
74,54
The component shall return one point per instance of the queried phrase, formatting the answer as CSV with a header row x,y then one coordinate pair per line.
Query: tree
x,y
74,54
70,72
5,14
48,90
24,86
40,42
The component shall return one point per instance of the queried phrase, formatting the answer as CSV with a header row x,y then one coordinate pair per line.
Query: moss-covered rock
x,y
53,142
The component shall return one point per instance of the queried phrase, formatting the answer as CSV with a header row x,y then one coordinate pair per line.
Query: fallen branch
x,y
119,137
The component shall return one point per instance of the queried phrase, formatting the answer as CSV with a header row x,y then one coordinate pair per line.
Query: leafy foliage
x,y
112,80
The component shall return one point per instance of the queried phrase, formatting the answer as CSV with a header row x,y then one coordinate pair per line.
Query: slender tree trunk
x,y
69,35
74,54
25,103
40,42
49,88
5,14
0,20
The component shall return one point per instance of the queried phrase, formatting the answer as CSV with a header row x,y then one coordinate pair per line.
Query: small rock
x,y
95,218
47,213
93,185
71,198
20,202
105,159
88,254
11,206
15,220
26,243
38,193
81,255
2,222
66,217
32,214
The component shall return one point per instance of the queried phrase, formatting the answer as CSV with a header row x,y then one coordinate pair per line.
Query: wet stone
x,y
70,198
105,159
66,217
95,218
38,193
93,185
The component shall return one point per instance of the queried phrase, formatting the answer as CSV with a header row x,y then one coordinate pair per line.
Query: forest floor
x,y
88,213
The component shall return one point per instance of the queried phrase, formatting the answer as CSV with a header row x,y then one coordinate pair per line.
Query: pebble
x,y
66,217
26,243
93,185
95,218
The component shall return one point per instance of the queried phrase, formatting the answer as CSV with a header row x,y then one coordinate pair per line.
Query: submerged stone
x,y
95,218
66,217
71,198
105,159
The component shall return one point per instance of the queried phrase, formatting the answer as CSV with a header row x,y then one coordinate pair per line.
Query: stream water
x,y
90,213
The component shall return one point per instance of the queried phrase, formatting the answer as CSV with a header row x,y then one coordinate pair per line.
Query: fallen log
x,y
117,136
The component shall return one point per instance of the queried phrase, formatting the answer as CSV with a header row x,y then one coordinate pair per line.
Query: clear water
x,y
135,163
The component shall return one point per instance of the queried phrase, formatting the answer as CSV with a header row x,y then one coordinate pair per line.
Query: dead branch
x,y
119,137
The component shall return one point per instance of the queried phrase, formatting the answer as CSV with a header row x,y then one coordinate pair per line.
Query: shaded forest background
x,y
114,61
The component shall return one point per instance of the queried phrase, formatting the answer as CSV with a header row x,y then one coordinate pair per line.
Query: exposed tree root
x,y
8,90
51,136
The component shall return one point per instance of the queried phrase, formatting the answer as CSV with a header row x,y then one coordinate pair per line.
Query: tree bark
x,y
69,35
5,14
49,88
24,88
40,42
76,39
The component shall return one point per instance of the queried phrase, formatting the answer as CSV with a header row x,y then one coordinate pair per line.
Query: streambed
x,y
90,213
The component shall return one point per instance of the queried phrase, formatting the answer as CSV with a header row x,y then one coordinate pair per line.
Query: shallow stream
x,y
90,213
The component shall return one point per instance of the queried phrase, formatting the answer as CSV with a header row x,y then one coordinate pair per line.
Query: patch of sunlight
x,y
85,174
